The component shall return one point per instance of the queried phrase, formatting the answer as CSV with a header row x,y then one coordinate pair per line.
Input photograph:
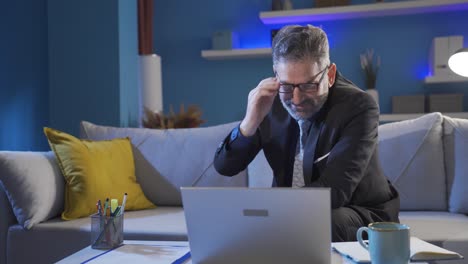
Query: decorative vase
x,y
374,94
151,83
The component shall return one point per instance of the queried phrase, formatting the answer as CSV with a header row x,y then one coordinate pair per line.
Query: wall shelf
x,y
401,117
361,11
445,79
236,54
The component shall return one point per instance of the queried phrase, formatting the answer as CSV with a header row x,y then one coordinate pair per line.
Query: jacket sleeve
x,y
350,156
236,152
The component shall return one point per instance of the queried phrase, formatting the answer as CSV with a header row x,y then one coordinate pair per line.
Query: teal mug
x,y
389,243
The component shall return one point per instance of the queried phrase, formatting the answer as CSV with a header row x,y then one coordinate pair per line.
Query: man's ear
x,y
274,70
331,74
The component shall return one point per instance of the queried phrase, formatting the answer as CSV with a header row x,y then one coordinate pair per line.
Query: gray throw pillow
x,y
456,160
411,155
33,184
166,160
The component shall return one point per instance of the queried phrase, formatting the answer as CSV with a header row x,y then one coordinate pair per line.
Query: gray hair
x,y
301,43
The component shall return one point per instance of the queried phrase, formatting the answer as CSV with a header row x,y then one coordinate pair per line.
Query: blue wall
x,y
63,62
86,52
93,59
23,75
83,64
184,28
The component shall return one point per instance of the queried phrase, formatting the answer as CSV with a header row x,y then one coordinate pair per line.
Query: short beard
x,y
317,105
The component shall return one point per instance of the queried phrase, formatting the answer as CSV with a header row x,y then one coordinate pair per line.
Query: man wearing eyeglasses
x,y
317,129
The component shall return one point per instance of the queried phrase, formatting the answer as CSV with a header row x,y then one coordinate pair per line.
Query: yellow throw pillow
x,y
95,170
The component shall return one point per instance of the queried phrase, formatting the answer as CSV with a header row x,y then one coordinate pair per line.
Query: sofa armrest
x,y
7,218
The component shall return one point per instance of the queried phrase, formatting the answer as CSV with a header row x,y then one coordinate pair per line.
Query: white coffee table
x,y
88,253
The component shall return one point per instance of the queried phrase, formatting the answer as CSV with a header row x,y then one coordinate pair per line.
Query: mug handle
x,y
359,236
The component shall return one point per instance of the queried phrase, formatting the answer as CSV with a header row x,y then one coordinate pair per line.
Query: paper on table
x,y
353,251
143,253
420,251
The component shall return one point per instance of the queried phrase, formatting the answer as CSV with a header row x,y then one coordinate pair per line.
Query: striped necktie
x,y
298,174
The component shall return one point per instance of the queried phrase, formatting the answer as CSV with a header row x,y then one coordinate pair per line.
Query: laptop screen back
x,y
269,225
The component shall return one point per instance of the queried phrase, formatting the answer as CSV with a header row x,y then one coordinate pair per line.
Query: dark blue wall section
x,y
220,88
23,75
83,63
93,59
67,61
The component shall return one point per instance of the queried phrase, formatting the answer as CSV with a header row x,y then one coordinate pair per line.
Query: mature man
x,y
317,129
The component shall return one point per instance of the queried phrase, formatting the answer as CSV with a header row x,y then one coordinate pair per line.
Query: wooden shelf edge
x,y
236,54
361,11
445,79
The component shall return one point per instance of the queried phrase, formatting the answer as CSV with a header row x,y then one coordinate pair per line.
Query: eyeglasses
x,y
311,87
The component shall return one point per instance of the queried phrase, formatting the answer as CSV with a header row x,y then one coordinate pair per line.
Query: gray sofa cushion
x,y
456,160
459,244
411,155
45,241
445,229
436,227
33,184
166,160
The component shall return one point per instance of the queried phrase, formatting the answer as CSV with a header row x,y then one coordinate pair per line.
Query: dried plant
x,y
370,69
184,119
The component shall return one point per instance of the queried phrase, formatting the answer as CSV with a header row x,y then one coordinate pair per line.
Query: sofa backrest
x,y
412,158
456,163
166,160
411,155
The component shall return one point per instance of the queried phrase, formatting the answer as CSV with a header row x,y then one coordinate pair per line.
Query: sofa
x,y
424,158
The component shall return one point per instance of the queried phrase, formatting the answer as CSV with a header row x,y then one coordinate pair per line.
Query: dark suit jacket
x,y
345,128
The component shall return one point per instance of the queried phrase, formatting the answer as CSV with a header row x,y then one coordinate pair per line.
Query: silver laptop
x,y
244,225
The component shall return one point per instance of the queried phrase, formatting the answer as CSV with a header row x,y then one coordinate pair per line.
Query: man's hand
x,y
259,104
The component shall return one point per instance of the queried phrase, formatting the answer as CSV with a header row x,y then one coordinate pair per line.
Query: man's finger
x,y
267,92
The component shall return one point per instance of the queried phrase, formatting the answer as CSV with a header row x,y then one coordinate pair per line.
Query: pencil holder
x,y
106,231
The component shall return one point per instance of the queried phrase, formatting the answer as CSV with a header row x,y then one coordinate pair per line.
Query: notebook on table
x,y
420,250
249,225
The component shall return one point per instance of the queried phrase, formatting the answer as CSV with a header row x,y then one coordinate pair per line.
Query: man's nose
x,y
296,96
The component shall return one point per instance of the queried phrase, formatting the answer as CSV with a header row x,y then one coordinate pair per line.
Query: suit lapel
x,y
310,150
313,139
280,135
290,151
